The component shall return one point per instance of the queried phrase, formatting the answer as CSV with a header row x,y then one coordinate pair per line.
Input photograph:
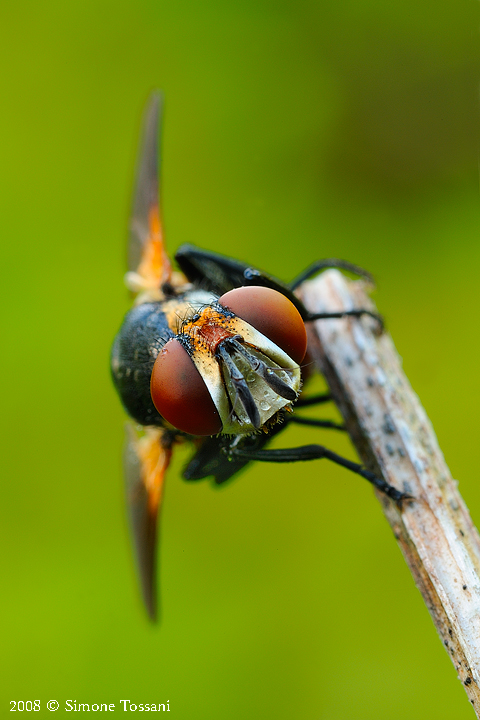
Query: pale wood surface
x,y
395,439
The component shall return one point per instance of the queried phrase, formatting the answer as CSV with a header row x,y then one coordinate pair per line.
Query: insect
x,y
210,355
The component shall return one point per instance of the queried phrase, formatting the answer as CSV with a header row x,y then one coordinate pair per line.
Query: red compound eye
x,y
272,314
179,393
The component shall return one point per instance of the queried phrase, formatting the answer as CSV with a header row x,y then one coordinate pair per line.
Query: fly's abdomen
x,y
143,334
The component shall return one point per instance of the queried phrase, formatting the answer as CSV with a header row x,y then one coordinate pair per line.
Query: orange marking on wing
x,y
155,458
155,265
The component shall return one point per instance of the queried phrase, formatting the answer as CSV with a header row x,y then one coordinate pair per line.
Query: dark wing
x,y
146,459
219,274
146,253
211,271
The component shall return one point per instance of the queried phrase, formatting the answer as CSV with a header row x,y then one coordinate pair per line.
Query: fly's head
x,y
234,365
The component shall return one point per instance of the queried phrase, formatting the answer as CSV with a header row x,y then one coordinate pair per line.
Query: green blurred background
x,y
293,131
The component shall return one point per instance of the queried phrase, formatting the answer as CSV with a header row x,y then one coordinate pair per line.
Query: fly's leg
x,y
310,317
258,278
329,263
316,423
313,400
318,452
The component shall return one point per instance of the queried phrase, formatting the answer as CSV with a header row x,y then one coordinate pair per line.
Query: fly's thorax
x,y
176,290
249,378
179,310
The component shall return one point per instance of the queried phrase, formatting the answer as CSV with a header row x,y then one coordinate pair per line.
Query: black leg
x,y
313,400
316,423
310,317
258,278
330,263
219,273
317,452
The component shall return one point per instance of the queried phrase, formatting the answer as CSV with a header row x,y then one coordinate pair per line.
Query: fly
x,y
210,355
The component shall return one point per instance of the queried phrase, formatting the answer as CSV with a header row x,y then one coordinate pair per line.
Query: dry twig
x,y
395,439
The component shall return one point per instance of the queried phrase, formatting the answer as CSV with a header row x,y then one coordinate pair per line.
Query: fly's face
x,y
221,373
